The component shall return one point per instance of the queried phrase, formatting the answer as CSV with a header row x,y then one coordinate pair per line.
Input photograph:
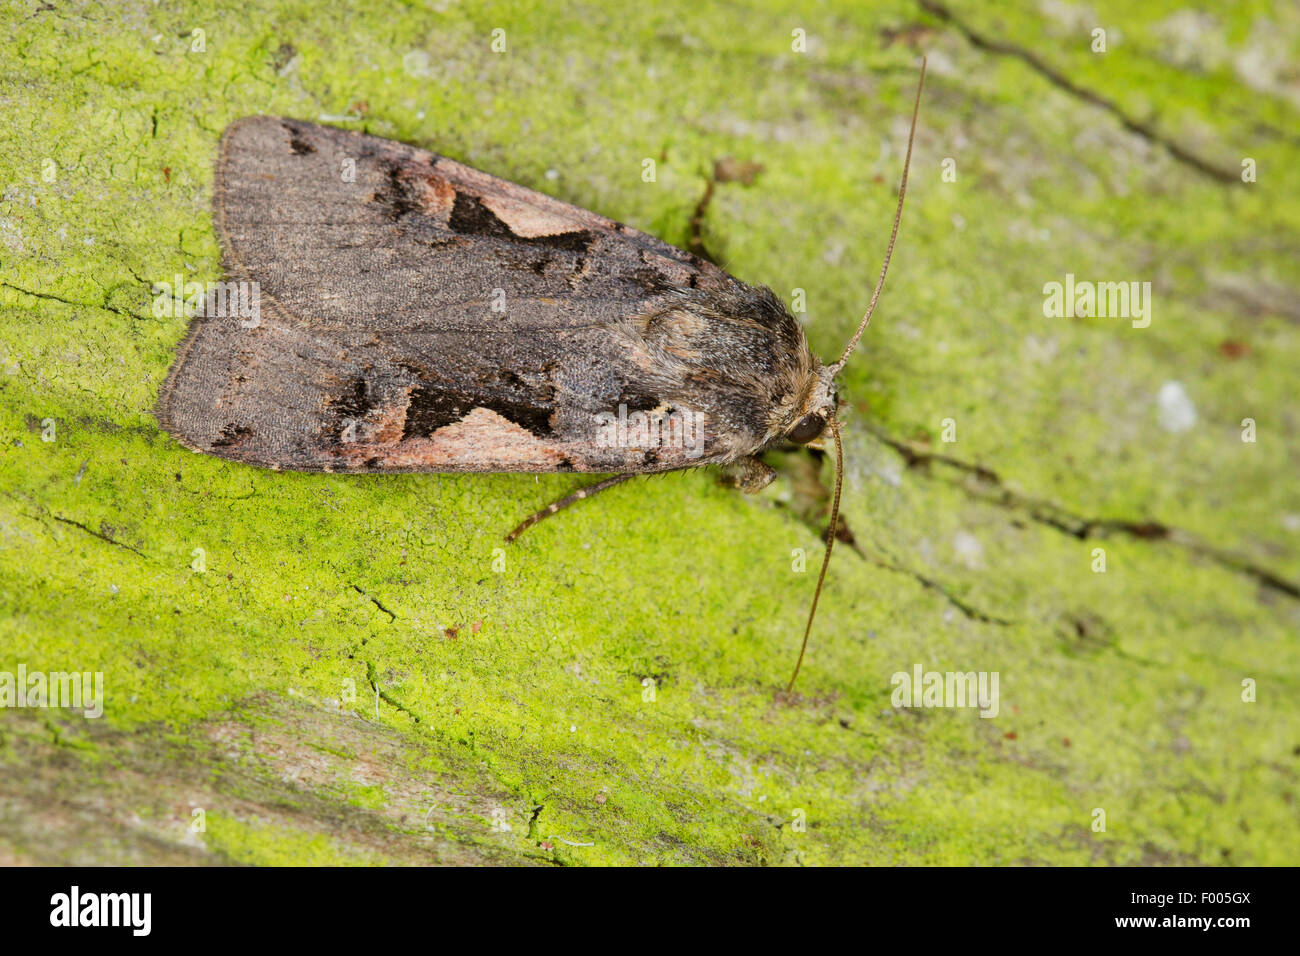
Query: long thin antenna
x,y
835,425
830,544
898,217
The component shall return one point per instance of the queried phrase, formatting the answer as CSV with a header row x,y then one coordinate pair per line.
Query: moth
x,y
417,315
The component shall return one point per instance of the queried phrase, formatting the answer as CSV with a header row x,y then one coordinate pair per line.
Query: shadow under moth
x,y
417,315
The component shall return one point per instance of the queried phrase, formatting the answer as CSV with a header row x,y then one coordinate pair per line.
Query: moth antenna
x,y
830,544
898,217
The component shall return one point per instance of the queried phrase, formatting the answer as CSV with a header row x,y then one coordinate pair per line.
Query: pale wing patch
x,y
527,220
436,197
481,437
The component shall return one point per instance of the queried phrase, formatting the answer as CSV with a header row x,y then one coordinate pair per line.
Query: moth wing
x,y
415,314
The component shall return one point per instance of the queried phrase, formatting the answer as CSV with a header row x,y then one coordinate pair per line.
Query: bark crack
x,y
106,305
96,534
1146,130
375,601
990,488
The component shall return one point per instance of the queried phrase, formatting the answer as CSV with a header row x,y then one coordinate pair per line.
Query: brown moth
x,y
417,315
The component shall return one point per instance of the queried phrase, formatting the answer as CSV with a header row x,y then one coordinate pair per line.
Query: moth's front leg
x,y
749,474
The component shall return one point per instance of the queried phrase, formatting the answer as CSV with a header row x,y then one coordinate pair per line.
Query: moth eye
x,y
806,429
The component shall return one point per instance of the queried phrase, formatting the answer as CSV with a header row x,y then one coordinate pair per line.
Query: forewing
x,y
417,315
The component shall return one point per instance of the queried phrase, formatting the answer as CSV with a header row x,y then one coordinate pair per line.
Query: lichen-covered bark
x,y
357,674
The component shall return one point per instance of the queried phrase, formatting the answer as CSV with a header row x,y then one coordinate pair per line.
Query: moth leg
x,y
749,474
567,500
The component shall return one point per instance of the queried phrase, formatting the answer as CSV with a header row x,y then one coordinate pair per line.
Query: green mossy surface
x,y
303,691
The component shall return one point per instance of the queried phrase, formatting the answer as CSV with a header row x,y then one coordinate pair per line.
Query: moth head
x,y
818,409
